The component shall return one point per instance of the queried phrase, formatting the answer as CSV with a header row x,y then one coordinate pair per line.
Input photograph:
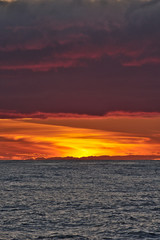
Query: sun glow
x,y
30,139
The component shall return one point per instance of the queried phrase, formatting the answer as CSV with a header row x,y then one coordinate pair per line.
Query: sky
x,y
79,78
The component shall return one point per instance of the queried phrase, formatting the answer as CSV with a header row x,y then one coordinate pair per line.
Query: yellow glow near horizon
x,y
30,138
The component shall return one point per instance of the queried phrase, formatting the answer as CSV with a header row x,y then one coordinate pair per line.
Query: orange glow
x,y
31,138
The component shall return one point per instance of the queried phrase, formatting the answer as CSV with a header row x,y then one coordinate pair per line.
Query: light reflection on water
x,y
79,200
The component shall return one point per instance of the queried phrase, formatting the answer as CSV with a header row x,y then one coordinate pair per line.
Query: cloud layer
x,y
32,138
41,35
79,56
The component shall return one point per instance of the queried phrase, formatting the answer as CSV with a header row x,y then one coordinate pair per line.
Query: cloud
x,y
119,114
40,115
45,115
21,139
79,56
41,35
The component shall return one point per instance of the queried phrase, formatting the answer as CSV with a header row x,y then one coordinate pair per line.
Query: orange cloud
x,y
30,139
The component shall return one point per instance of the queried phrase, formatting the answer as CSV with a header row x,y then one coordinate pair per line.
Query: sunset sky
x,y
79,78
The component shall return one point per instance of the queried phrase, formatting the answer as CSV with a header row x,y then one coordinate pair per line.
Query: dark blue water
x,y
79,200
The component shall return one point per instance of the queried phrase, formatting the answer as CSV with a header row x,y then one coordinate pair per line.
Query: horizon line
x,y
92,158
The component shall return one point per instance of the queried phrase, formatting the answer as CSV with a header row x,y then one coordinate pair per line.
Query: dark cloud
x,y
73,30
79,56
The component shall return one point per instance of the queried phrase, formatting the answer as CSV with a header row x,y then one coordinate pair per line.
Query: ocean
x,y
79,200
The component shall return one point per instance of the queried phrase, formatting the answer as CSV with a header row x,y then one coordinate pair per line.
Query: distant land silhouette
x,y
104,157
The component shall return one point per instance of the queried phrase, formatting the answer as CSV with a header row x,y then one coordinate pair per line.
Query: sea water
x,y
79,200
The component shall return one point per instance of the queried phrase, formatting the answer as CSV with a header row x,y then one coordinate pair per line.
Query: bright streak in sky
x,y
30,138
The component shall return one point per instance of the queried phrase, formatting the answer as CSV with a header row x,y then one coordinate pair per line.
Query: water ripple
x,y
82,200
